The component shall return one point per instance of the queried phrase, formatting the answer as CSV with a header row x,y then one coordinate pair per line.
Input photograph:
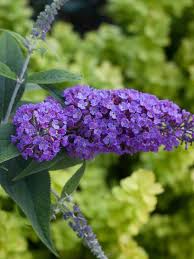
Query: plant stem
x,y
19,82
55,194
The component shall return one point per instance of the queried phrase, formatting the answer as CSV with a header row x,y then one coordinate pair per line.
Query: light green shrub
x,y
15,15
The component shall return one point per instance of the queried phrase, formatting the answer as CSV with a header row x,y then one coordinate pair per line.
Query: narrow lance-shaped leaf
x,y
61,161
72,184
7,149
5,71
8,152
32,195
11,55
53,76
19,38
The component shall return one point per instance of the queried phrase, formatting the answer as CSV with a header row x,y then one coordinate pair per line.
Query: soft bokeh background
x,y
142,206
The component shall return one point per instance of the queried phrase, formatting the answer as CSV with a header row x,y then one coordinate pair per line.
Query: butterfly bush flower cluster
x,y
40,129
95,121
122,121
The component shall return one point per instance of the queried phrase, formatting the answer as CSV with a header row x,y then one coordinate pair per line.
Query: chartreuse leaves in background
x,y
53,90
53,76
61,161
32,195
10,55
72,184
7,149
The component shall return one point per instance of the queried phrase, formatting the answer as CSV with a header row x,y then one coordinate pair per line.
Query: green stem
x,y
19,82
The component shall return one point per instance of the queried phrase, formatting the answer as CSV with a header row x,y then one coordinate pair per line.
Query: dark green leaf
x,y
6,130
72,184
53,76
6,72
11,55
61,161
7,150
32,195
54,92
21,40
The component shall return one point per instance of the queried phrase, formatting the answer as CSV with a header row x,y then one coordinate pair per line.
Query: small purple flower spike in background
x,y
79,225
122,121
46,18
39,130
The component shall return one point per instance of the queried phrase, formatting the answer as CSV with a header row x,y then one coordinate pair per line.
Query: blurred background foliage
x,y
142,44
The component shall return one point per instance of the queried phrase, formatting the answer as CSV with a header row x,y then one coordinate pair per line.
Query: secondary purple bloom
x,y
46,18
79,225
122,121
39,129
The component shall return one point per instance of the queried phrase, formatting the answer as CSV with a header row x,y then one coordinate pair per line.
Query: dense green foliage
x,y
149,47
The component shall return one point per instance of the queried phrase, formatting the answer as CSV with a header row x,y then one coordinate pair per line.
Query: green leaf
x,y
54,92
7,149
32,195
11,55
72,184
8,152
21,40
53,76
6,72
6,130
61,161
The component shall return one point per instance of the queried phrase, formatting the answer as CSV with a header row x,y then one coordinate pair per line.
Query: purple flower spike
x,y
122,121
39,130
100,121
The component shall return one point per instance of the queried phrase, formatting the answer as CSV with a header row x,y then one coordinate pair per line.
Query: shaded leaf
x,y
7,149
53,76
6,130
54,92
8,152
11,55
61,161
7,72
19,38
32,195
72,184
